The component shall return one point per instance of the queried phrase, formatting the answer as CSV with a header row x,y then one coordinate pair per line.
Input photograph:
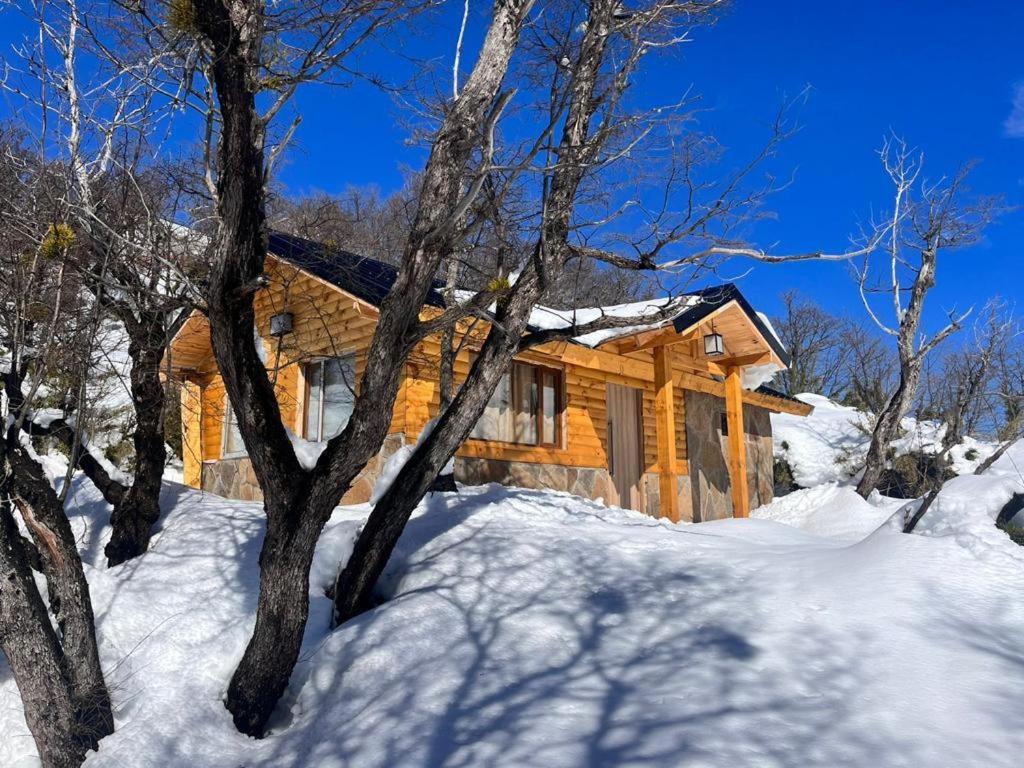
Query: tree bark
x,y
298,502
887,428
135,515
68,589
353,592
34,655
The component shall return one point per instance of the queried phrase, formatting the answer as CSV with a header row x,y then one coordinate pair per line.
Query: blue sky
x,y
941,74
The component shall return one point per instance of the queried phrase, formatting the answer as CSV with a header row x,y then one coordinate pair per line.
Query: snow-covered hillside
x,y
530,628
829,445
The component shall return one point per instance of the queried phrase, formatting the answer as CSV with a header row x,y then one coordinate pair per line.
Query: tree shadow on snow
x,y
500,647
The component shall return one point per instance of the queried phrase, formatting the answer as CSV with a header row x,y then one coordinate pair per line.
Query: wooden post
x,y
737,442
191,434
665,421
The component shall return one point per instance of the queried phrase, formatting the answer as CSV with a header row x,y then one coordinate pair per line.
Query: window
x,y
526,408
330,396
723,424
233,444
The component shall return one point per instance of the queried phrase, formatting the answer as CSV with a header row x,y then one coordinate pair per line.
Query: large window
x,y
526,408
330,396
233,444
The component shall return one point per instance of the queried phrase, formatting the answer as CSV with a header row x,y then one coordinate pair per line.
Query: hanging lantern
x,y
714,345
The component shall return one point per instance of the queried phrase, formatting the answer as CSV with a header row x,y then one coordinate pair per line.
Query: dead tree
x,y
927,220
139,266
45,325
966,386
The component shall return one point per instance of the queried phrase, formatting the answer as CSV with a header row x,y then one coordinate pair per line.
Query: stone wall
x,y
235,479
707,450
590,483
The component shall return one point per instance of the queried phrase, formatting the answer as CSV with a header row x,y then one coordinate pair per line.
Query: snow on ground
x,y
831,510
829,445
529,628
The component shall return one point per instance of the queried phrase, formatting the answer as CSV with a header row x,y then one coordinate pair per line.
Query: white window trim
x,y
304,383
229,415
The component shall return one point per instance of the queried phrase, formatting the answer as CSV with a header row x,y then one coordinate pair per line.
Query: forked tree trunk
x,y
297,502
34,655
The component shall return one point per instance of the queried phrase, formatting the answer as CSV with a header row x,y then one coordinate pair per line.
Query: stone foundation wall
x,y
707,451
590,483
235,479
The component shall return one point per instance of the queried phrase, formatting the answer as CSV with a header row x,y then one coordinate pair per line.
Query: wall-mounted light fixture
x,y
281,324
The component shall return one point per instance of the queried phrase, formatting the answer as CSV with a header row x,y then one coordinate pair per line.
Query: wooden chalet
x,y
643,418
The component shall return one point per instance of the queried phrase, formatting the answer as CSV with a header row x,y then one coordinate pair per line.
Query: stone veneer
x,y
235,479
707,449
703,495
590,483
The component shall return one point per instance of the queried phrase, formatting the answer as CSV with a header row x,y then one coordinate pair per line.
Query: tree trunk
x,y
283,608
887,428
133,518
68,590
33,653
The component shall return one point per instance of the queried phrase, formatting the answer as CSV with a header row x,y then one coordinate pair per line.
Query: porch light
x,y
713,343
281,324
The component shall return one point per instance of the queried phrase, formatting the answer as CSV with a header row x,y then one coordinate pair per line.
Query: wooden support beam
x,y
191,434
737,442
665,423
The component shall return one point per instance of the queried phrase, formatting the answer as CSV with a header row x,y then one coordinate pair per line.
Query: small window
x,y
330,396
233,443
526,408
724,424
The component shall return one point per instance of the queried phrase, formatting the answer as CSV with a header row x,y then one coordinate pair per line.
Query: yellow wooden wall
x,y
584,420
327,323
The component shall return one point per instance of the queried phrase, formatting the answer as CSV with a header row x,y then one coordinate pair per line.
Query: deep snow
x,y
529,628
830,445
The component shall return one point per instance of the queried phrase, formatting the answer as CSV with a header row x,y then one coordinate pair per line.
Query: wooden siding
x,y
329,322
326,323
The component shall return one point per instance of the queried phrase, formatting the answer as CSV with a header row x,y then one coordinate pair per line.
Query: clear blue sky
x,y
940,73
943,74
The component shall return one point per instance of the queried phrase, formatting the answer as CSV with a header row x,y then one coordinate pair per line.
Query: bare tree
x,y
1004,411
928,219
966,385
814,340
46,329
139,265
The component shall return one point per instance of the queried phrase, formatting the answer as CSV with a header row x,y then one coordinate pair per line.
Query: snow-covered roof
x,y
371,280
546,318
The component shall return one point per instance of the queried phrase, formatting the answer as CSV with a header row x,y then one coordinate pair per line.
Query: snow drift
x,y
535,628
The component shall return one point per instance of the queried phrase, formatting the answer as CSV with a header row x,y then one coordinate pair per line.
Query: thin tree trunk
x,y
34,655
887,429
133,518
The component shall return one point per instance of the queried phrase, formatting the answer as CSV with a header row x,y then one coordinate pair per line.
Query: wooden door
x,y
625,445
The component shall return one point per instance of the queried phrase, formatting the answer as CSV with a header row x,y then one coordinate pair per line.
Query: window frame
x,y
227,421
306,378
538,371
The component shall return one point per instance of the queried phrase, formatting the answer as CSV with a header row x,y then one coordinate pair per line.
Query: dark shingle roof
x,y
366,278
370,280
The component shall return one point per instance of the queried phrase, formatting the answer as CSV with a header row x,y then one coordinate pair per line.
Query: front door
x,y
625,445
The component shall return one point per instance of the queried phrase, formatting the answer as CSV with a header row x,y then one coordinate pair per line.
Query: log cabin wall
x,y
328,322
